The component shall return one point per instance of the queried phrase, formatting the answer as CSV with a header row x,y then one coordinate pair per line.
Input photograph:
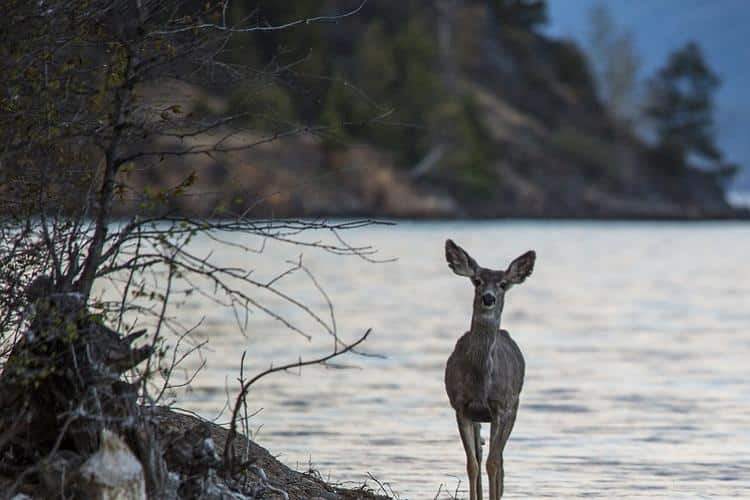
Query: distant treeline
x,y
383,76
398,75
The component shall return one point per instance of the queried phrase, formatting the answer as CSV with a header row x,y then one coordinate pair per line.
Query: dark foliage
x,y
525,14
681,104
572,65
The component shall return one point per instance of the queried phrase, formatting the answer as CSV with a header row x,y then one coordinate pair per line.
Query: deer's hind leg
x,y
469,438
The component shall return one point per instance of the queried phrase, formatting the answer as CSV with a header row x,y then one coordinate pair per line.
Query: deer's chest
x,y
486,367
484,370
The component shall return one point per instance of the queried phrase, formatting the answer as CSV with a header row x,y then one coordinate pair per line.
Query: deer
x,y
484,373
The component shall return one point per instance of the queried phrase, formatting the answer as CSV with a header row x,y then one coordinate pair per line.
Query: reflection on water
x,y
636,343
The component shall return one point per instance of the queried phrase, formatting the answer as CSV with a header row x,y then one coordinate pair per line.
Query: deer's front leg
x,y
469,439
495,458
502,425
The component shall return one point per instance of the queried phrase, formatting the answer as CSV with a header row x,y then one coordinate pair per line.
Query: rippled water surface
x,y
636,338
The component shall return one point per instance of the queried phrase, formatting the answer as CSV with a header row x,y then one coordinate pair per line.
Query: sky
x,y
721,27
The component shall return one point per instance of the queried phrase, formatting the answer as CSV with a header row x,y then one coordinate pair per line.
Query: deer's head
x,y
489,285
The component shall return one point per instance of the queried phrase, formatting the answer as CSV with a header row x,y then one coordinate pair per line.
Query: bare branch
x,y
224,27
229,444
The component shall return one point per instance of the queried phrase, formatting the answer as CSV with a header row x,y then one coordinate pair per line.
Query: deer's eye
x,y
503,285
476,281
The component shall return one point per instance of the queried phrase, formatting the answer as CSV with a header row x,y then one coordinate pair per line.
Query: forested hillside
x,y
421,108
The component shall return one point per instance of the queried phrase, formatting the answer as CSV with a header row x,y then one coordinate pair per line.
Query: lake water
x,y
636,338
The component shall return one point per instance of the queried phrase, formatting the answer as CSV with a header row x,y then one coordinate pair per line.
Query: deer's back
x,y
484,373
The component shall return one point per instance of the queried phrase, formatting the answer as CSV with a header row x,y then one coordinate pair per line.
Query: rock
x,y
113,472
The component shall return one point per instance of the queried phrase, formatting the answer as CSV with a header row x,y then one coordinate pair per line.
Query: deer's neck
x,y
485,323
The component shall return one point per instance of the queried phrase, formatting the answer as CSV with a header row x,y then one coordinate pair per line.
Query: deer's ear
x,y
460,261
521,268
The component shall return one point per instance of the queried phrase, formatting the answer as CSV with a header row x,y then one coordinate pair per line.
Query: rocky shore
x,y
297,485
71,425
187,435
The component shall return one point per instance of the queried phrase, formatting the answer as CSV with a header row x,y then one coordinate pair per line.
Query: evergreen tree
x,y
524,14
681,104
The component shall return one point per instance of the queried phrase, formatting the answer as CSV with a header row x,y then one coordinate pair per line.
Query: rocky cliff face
x,y
542,146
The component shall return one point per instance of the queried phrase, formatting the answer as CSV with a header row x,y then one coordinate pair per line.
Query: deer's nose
x,y
488,299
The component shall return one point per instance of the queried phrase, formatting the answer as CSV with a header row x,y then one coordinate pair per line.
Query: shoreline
x,y
175,428
298,485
